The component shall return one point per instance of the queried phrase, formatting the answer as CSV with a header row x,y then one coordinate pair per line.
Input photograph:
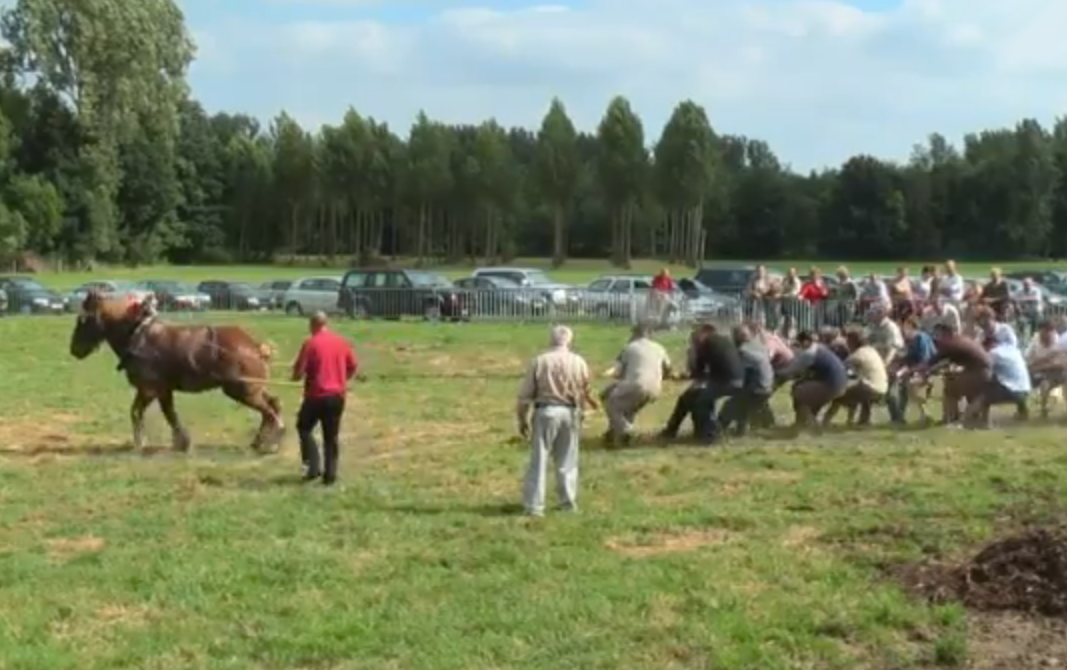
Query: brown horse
x,y
161,358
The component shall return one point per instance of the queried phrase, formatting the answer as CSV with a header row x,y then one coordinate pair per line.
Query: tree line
x,y
106,155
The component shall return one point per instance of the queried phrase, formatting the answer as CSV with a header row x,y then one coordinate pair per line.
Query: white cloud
x,y
819,79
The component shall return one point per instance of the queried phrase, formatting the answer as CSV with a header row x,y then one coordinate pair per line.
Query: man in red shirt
x,y
326,363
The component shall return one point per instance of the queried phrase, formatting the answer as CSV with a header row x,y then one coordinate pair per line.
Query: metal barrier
x,y
784,315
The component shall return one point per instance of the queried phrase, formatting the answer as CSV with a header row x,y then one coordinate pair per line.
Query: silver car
x,y
310,294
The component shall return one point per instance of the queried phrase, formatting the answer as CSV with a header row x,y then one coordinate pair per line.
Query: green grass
x,y
579,271
762,554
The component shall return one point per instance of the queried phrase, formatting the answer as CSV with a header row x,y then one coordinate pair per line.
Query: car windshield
x,y
538,279
428,279
241,287
27,284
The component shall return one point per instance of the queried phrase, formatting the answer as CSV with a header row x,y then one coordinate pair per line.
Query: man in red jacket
x,y
326,363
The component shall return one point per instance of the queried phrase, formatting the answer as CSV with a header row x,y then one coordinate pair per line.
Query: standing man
x,y
663,288
326,363
557,384
639,371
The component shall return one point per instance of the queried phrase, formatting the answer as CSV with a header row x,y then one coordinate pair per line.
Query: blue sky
x,y
819,79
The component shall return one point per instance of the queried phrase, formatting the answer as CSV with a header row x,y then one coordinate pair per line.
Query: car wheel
x,y
26,309
293,309
431,313
357,311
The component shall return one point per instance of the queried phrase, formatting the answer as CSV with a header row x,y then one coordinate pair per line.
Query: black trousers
x,y
326,411
683,407
744,407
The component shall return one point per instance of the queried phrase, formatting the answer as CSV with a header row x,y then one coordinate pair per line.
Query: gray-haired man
x,y
557,384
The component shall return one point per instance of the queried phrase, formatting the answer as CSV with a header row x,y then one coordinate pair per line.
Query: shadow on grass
x,y
485,509
229,451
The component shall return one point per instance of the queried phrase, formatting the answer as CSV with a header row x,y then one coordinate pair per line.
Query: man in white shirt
x,y
639,372
952,284
1047,361
940,311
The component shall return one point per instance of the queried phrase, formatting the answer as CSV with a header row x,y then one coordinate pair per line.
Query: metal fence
x,y
785,315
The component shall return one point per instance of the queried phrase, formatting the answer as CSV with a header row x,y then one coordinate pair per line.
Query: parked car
x,y
312,294
733,280
1054,280
393,294
703,302
1049,297
497,296
133,290
236,295
29,296
616,296
532,278
274,291
175,296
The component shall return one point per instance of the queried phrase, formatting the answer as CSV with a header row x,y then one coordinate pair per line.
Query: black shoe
x,y
329,481
310,477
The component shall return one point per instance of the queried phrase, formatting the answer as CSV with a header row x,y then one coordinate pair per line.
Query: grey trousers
x,y
622,402
555,430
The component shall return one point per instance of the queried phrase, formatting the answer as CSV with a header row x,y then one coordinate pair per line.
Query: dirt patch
x,y
1013,641
31,434
798,537
65,548
668,543
1026,572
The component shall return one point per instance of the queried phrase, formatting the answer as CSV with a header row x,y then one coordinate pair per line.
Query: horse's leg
x,y
180,436
141,401
268,406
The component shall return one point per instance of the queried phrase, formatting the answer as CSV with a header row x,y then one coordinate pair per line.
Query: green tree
x,y
685,167
428,182
622,168
294,177
558,169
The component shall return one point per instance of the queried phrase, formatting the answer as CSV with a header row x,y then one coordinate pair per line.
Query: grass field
x,y
578,271
765,553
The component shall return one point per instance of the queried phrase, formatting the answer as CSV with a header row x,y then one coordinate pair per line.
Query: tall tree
x,y
685,165
622,168
558,169
116,64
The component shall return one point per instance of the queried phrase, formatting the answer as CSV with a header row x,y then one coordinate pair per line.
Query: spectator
x,y
995,294
790,292
952,284
924,286
813,292
940,311
662,302
875,294
846,296
759,288
1031,307
900,292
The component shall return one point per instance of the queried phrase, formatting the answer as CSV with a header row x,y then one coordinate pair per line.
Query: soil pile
x,y
1025,572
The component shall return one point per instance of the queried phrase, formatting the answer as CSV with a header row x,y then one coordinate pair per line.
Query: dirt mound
x,y
1025,572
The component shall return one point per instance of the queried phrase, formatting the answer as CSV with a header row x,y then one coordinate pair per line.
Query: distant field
x,y
579,271
768,553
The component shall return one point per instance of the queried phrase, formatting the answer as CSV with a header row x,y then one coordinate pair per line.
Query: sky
x,y
820,80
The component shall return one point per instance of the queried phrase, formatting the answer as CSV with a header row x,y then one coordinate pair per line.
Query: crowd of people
x,y
792,303
892,344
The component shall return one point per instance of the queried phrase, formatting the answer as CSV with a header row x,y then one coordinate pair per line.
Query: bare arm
x,y
300,364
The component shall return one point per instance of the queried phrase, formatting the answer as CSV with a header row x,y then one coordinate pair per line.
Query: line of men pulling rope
x,y
883,362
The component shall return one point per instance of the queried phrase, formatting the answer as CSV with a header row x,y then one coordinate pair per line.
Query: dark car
x,y
233,295
729,279
498,296
393,294
1053,280
29,296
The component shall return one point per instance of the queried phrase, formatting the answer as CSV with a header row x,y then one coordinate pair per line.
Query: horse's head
x,y
90,330
100,316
